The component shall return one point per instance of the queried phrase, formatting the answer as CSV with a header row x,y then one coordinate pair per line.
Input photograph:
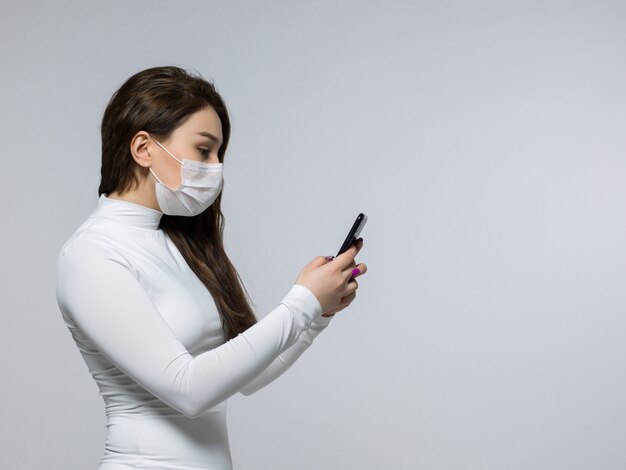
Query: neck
x,y
128,213
144,195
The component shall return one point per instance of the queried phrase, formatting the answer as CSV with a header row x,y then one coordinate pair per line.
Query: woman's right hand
x,y
330,281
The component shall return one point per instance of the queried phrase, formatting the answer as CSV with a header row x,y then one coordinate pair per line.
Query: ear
x,y
139,148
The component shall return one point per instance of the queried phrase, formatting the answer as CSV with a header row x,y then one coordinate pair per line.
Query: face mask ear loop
x,y
150,168
167,151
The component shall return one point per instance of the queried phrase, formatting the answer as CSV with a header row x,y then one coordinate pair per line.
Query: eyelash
x,y
205,152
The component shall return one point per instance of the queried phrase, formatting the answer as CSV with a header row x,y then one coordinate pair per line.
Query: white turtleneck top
x,y
150,334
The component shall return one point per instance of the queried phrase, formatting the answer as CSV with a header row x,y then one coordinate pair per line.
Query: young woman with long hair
x,y
154,304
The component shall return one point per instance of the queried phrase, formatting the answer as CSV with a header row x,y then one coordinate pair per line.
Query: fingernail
x,y
329,258
356,271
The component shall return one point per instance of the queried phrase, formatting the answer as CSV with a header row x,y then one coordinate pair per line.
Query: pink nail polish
x,y
356,271
329,258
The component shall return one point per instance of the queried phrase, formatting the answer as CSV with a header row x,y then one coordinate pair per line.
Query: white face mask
x,y
200,184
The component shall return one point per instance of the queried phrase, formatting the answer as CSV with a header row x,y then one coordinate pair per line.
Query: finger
x,y
355,270
358,244
362,267
347,300
346,258
353,285
352,282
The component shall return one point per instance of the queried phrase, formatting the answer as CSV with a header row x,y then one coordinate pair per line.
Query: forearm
x,y
285,360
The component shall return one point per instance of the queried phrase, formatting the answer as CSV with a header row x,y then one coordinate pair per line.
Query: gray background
x,y
484,140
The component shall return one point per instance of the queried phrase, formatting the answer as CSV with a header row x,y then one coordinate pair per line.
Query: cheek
x,y
168,173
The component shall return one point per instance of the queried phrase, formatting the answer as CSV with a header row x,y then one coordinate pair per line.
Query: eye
x,y
205,152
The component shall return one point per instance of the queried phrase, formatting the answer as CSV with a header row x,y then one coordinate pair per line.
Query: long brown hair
x,y
158,100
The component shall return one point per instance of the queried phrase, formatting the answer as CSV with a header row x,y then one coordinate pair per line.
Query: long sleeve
x,y
98,291
286,359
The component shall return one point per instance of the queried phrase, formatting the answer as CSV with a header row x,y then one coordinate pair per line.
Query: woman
x,y
150,297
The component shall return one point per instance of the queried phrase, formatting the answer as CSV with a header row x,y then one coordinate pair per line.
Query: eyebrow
x,y
209,135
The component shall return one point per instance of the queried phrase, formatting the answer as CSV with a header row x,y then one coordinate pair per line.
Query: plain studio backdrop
x,y
484,140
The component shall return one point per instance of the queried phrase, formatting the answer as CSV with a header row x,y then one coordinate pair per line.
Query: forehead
x,y
204,120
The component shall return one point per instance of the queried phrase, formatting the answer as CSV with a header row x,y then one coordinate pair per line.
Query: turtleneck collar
x,y
128,213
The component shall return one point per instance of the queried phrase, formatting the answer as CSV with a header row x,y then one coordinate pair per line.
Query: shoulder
x,y
82,249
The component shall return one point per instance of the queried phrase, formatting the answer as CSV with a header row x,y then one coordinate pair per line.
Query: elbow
x,y
247,392
194,408
190,411
193,414
187,405
249,389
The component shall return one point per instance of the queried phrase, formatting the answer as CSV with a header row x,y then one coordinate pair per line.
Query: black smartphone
x,y
354,232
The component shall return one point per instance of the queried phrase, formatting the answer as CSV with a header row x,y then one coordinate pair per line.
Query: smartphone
x,y
354,232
